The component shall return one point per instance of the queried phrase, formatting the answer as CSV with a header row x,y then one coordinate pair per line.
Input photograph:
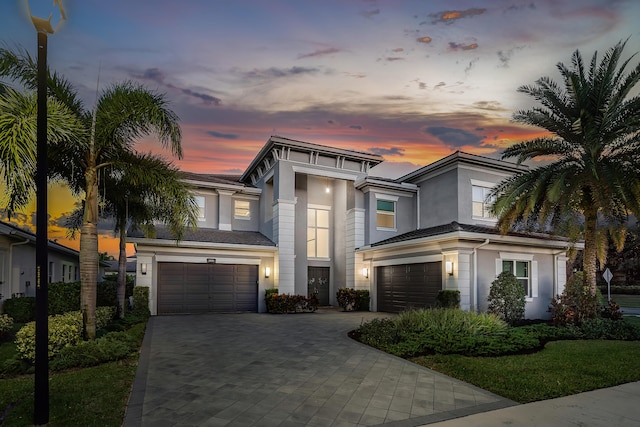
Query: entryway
x,y
318,280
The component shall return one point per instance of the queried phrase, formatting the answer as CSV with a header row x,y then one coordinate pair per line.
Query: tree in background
x,y
123,113
592,181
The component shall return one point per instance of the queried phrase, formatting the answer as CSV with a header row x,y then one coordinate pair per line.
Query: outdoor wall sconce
x,y
365,272
143,268
267,272
448,266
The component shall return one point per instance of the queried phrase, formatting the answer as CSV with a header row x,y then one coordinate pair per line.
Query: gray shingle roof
x,y
211,235
455,226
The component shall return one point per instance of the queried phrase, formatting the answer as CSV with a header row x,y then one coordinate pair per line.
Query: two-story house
x,y
310,218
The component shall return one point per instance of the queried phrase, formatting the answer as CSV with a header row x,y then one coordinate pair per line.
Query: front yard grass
x,y
561,369
95,396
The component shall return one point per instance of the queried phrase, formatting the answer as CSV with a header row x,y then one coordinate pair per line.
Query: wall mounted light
x,y
365,272
448,266
267,272
143,268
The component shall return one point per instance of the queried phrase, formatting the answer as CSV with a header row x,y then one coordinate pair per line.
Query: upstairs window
x,y
201,207
242,209
482,202
317,233
386,214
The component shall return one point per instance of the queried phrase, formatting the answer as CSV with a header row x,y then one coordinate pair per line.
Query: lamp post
x,y
41,381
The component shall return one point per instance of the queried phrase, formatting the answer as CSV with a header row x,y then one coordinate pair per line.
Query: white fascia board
x,y
325,173
200,245
230,187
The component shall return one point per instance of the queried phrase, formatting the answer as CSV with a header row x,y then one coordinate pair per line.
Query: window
x,y
317,233
482,202
50,272
523,267
201,207
242,209
386,214
520,269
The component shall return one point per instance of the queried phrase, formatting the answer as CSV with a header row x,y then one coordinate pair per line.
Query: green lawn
x,y
561,369
87,397
631,301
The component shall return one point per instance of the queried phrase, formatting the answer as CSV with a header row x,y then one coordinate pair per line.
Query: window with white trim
x,y
317,233
201,207
385,214
242,209
524,268
481,202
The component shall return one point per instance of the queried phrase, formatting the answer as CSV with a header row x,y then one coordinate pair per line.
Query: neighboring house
x,y
111,267
18,262
305,217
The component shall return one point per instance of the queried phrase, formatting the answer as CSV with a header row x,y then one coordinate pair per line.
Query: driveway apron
x,y
286,370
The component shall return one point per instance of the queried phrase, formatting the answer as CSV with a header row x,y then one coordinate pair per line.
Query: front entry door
x,y
318,280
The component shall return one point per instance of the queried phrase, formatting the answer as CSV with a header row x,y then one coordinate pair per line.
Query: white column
x,y
284,235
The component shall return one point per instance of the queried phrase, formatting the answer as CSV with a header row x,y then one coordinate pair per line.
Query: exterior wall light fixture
x,y
449,267
365,272
143,268
267,272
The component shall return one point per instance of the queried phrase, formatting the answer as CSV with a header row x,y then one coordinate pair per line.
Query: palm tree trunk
x,y
89,255
590,250
122,270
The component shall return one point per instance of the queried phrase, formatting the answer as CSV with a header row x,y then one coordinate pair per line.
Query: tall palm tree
x,y
123,113
146,191
18,124
594,146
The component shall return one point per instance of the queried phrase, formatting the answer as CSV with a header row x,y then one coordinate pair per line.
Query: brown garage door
x,y
203,288
405,286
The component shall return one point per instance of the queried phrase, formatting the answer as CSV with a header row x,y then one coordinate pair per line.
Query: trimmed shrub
x,y
448,299
352,299
22,310
64,330
141,301
507,298
6,325
576,304
283,303
63,297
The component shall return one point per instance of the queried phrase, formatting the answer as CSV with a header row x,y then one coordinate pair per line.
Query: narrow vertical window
x,y
386,214
317,233
201,207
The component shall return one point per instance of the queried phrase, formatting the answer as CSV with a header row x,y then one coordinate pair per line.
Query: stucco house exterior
x,y
18,262
305,217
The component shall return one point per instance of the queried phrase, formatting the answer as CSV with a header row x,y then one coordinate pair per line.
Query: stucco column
x,y
225,209
284,236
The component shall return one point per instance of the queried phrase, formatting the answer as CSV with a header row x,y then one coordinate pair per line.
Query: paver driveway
x,y
281,370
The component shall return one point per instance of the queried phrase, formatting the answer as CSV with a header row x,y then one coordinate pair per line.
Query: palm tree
x,y
147,191
594,146
18,124
123,113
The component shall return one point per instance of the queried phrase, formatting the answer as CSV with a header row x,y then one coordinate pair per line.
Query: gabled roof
x,y
210,235
457,227
462,157
18,233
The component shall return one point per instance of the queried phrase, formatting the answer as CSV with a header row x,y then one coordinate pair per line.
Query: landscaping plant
x,y
576,303
353,299
507,298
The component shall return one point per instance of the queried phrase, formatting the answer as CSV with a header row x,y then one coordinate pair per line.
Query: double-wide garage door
x,y
405,286
203,288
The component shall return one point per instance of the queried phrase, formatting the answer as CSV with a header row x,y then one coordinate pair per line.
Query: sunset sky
x,y
412,81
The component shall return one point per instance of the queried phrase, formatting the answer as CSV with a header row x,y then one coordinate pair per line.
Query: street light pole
x,y
41,377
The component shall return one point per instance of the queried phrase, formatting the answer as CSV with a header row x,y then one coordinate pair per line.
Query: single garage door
x,y
204,288
405,286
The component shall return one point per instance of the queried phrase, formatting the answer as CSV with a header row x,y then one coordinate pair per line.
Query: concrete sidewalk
x,y
616,406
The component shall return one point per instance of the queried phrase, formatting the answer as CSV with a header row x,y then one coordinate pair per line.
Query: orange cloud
x,y
425,39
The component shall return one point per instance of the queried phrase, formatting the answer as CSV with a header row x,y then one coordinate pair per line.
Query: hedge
x,y
621,290
353,299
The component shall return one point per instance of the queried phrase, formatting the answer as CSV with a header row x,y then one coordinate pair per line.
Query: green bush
x,y
22,310
621,289
113,346
576,304
448,299
63,297
445,331
6,325
270,291
64,330
352,299
608,329
507,298
283,303
141,301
